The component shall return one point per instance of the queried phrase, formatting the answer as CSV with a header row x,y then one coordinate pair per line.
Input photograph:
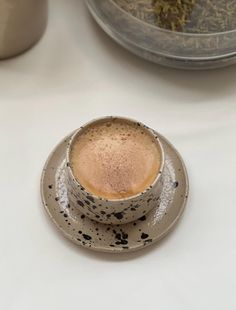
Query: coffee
x,y
115,158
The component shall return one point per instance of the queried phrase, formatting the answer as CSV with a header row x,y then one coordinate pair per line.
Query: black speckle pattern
x,y
143,218
118,236
87,237
119,215
125,235
144,236
121,242
175,184
80,203
90,198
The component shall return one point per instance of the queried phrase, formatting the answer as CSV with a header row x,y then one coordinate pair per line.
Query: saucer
x,y
133,236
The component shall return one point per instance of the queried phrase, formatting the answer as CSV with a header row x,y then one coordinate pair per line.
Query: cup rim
x,y
95,120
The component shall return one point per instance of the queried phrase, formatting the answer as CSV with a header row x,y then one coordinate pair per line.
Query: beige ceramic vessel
x,y
22,23
132,236
115,211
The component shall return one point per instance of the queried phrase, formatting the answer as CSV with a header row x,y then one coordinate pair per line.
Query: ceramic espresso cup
x,y
111,209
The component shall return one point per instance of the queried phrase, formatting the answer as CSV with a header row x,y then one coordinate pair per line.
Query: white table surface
x,y
77,73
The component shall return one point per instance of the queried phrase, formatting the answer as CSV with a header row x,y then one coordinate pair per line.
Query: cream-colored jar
x,y
22,23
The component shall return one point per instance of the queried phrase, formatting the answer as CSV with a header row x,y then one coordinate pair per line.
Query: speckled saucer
x,y
114,238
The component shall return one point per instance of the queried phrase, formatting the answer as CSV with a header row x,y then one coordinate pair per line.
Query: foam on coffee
x,y
115,159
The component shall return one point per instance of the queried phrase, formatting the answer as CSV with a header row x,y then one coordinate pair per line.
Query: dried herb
x,y
191,16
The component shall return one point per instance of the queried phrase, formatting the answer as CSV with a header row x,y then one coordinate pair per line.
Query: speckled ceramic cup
x,y
114,211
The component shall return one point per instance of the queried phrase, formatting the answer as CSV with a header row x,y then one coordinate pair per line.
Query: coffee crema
x,y
115,159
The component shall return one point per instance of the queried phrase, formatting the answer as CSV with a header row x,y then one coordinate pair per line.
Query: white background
x,y
77,73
